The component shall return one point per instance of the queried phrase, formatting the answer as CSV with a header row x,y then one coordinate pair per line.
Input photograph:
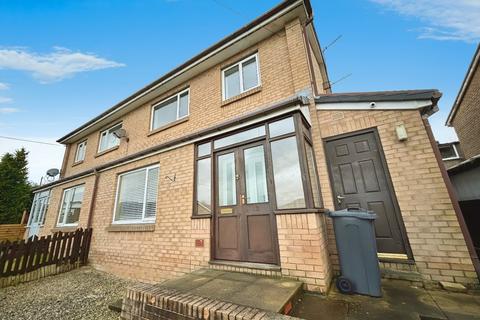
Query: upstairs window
x,y
136,200
241,77
81,149
449,152
108,140
170,110
71,206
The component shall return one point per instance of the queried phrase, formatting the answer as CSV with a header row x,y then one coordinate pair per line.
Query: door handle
x,y
340,199
242,199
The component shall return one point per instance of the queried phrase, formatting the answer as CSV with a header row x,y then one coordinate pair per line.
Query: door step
x,y
263,269
212,294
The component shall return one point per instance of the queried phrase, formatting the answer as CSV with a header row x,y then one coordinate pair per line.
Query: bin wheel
x,y
344,285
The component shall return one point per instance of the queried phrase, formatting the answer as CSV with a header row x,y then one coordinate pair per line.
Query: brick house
x,y
230,161
465,175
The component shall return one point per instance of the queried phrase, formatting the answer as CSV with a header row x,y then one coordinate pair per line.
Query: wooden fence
x,y
11,232
51,254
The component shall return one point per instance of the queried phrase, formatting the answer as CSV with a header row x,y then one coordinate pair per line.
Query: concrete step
x,y
212,294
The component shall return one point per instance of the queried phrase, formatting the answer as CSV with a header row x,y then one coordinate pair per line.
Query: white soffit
x,y
383,105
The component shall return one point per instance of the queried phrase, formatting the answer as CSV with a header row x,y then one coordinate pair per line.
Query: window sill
x,y
77,163
133,227
106,151
64,229
299,211
168,125
241,96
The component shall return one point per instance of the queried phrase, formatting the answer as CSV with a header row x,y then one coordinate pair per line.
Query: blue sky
x,y
63,62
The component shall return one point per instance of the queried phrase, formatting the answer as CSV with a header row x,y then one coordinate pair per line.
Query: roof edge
x,y
465,84
376,96
264,17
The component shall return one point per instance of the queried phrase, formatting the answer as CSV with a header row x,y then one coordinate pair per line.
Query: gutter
x,y
297,101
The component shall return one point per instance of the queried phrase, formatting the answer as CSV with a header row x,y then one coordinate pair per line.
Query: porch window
x,y
241,77
170,110
71,206
108,139
39,208
81,149
269,163
287,174
136,199
312,172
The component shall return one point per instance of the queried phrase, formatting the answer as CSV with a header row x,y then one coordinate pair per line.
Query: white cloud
x,y
444,19
41,157
57,65
5,100
8,110
4,86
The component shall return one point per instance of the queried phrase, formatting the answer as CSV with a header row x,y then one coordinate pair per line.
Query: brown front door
x,y
360,179
245,228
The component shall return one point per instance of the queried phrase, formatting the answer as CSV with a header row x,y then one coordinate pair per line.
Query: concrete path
x,y
399,301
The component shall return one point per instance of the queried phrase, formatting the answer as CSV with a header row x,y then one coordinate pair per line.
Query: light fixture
x,y
401,132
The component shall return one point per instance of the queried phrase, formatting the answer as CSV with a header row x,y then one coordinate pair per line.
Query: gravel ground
x,y
83,293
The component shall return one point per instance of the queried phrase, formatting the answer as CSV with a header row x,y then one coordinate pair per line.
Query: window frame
x,y
156,106
63,224
106,130
302,136
42,214
240,71
84,144
143,220
457,155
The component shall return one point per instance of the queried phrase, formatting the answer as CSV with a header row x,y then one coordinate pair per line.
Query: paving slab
x,y
266,293
400,300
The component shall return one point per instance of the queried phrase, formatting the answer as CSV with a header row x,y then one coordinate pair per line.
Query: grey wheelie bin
x,y
357,251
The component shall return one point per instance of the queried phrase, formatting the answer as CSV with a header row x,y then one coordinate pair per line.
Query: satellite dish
x,y
53,172
120,133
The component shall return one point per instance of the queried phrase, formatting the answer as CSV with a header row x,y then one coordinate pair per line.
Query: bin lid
x,y
354,212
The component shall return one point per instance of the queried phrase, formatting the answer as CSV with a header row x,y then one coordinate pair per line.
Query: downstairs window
x,y
136,200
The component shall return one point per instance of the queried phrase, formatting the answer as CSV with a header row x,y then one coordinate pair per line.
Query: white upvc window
x,y
70,206
81,149
170,110
136,197
449,152
107,139
241,77
39,208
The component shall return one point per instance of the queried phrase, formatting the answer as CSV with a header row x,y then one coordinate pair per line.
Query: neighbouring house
x,y
465,176
451,153
231,160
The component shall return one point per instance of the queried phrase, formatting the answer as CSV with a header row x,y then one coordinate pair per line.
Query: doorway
x,y
360,179
245,224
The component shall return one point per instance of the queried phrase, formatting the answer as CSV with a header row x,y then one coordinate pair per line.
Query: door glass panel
x,y
227,190
287,174
255,175
240,137
280,127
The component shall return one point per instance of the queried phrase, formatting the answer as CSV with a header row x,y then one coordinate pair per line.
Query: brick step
x,y
211,294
